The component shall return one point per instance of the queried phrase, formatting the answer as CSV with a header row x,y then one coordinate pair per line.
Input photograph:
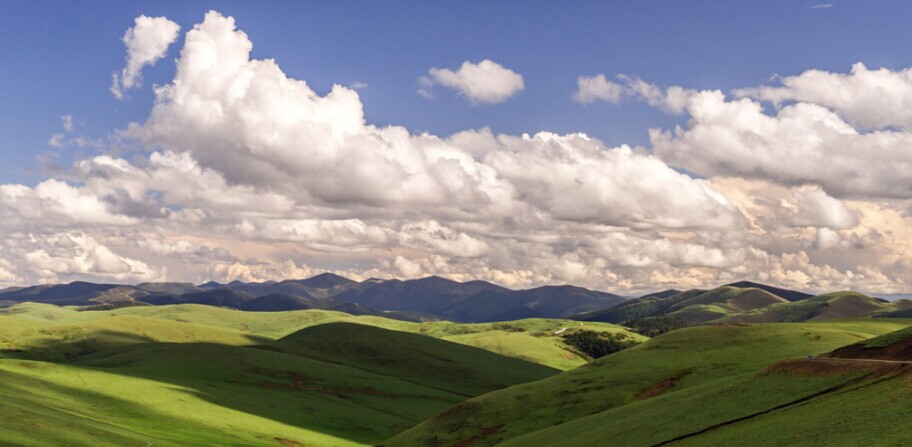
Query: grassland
x,y
533,340
729,304
202,376
672,363
191,375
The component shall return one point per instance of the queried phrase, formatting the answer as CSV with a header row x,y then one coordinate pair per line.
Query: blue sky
x,y
57,57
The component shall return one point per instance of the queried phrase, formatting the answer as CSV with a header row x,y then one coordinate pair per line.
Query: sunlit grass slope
x,y
531,339
675,361
662,418
325,386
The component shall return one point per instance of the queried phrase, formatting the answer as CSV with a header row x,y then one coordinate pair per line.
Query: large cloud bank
x,y
250,174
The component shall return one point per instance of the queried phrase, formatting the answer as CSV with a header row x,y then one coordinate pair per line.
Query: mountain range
x,y
431,298
436,298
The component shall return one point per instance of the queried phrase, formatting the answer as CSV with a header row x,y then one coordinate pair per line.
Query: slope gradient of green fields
x,y
125,378
680,360
533,340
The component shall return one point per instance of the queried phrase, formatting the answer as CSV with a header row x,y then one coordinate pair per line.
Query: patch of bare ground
x,y
901,351
836,367
482,434
661,387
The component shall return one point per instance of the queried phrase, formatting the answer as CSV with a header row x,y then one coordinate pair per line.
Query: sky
x,y
622,146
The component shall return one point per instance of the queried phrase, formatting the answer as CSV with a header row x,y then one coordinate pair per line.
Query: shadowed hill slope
x,y
342,385
674,361
428,361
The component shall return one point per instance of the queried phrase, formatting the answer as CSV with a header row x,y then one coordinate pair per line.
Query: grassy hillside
x,y
132,380
751,305
532,339
692,306
680,360
684,411
828,306
430,362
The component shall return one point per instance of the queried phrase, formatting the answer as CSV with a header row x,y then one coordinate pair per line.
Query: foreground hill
x,y
681,361
832,402
341,385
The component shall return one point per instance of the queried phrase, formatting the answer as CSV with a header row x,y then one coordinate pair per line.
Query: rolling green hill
x,y
750,305
532,339
672,363
430,362
140,380
692,306
828,306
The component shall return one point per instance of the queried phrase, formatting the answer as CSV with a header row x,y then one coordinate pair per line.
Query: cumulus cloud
x,y
597,88
147,42
275,133
797,144
868,99
252,175
485,82
816,208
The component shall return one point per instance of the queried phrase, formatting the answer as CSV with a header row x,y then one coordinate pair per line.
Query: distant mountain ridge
x,y
415,300
436,298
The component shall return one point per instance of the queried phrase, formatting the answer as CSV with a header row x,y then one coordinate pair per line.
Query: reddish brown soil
x,y
833,367
661,387
897,351
656,389
482,434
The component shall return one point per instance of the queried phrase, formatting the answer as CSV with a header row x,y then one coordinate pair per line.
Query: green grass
x,y
430,362
828,306
683,412
693,356
530,339
186,377
888,339
873,414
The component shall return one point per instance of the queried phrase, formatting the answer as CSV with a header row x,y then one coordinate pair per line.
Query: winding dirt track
x,y
827,359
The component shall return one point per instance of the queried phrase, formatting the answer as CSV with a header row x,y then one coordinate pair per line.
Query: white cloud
x,y
67,122
75,255
826,238
597,88
147,42
252,175
868,99
274,133
800,143
816,208
486,82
